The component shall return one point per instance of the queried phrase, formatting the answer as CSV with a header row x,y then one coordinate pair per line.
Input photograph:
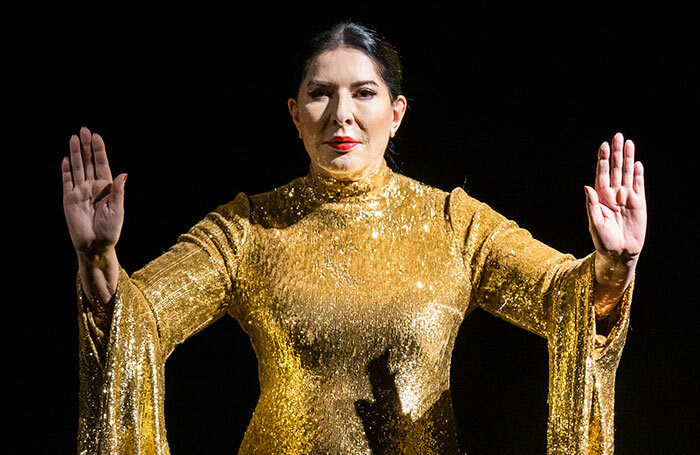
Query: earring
x,y
392,134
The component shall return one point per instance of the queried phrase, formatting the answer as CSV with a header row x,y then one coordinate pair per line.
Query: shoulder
x,y
467,213
455,202
409,191
461,210
239,207
260,205
416,187
464,214
280,206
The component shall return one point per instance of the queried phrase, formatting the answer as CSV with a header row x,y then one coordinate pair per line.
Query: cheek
x,y
312,115
376,122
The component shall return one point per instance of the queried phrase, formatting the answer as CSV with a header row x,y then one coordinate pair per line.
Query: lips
x,y
342,143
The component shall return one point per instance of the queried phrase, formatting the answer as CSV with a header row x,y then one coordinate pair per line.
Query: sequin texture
x,y
352,294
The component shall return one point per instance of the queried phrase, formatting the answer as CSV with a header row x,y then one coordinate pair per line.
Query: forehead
x,y
343,65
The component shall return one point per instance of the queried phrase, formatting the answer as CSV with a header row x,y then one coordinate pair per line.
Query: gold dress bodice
x,y
352,294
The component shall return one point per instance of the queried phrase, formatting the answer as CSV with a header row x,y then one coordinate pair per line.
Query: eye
x,y
365,93
319,93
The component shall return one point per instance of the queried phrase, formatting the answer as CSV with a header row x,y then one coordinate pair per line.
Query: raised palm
x,y
92,201
617,210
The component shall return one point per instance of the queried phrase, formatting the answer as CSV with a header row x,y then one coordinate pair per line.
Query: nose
x,y
341,112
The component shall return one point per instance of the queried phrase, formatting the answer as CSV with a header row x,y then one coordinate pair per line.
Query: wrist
x,y
606,300
613,273
614,269
99,273
97,258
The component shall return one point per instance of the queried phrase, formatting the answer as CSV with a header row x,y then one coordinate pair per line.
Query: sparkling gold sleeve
x,y
158,307
523,281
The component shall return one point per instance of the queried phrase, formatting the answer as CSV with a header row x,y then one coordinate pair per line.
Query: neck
x,y
329,187
354,175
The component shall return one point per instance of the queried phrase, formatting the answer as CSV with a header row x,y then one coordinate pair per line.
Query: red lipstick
x,y
342,143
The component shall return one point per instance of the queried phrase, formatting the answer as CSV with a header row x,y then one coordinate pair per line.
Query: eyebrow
x,y
353,85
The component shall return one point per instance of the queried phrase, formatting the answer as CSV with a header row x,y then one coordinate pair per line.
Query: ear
x,y
294,112
398,110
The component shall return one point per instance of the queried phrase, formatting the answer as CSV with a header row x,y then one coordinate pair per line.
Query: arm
x,y
581,306
129,325
551,294
617,220
513,276
172,297
93,204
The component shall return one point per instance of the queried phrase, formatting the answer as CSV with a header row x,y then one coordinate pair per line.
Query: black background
x,y
510,102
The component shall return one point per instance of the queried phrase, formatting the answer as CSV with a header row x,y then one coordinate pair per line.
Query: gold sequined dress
x,y
352,294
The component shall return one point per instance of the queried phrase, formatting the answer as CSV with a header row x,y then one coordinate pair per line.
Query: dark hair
x,y
366,40
359,37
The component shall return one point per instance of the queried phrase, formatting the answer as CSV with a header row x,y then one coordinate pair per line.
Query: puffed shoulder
x,y
239,207
465,213
459,207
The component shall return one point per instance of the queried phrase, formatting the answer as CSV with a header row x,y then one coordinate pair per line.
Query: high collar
x,y
328,188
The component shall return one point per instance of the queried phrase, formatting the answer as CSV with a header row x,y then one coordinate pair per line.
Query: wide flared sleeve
x,y
176,295
551,294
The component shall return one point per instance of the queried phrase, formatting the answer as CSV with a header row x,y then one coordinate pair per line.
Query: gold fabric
x,y
352,295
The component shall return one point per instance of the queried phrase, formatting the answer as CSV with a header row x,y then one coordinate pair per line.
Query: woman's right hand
x,y
92,201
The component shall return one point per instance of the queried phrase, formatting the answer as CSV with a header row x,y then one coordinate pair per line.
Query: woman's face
x,y
345,115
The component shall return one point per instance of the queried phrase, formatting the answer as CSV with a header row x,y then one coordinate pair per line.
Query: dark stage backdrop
x,y
509,102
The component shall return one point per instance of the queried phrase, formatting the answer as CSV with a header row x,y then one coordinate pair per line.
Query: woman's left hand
x,y
617,219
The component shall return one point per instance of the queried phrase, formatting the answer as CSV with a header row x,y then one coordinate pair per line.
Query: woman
x,y
351,282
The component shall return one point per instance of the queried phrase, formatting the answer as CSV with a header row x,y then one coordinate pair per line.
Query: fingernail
x,y
125,176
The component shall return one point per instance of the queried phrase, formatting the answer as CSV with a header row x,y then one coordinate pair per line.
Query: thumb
x,y
119,183
117,194
592,205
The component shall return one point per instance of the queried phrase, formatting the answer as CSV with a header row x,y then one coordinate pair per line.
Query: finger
x,y
616,171
76,160
628,164
116,197
119,184
66,175
602,172
86,146
638,186
594,214
102,170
